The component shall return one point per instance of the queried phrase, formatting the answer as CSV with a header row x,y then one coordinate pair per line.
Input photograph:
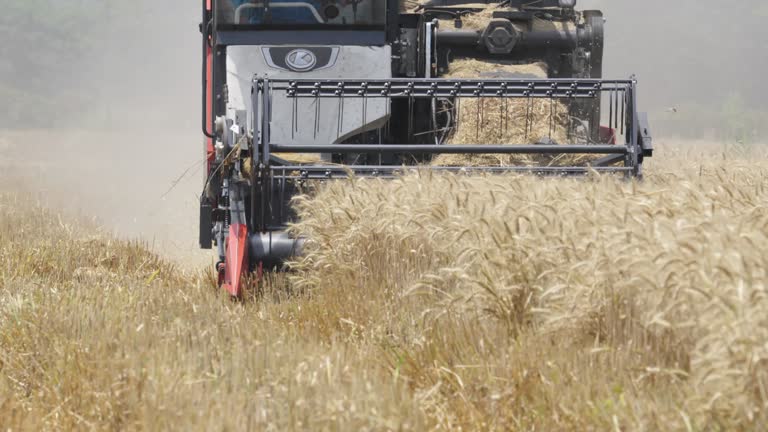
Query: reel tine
x,y
482,110
294,118
317,116
528,112
380,142
388,104
282,195
614,108
361,93
551,116
610,109
505,123
340,122
458,114
410,117
477,123
623,110
501,121
569,130
617,108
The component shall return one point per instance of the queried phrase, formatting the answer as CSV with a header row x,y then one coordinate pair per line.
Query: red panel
x,y
236,260
607,135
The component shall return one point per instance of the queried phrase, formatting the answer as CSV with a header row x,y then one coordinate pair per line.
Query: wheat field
x,y
430,302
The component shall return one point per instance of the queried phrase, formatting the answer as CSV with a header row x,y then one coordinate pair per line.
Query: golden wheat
x,y
432,302
662,282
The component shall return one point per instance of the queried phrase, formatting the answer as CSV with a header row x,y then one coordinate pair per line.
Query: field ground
x,y
425,303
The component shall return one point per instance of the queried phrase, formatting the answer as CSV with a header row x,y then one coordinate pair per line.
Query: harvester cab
x,y
302,91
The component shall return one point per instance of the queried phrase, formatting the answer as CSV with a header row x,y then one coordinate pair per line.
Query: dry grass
x,y
474,69
477,21
100,334
430,302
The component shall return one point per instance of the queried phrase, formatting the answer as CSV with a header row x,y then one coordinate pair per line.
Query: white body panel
x,y
352,62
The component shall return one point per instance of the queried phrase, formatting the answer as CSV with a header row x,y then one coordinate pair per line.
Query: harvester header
x,y
296,92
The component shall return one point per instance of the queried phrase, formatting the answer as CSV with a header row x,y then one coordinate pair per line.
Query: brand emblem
x,y
301,60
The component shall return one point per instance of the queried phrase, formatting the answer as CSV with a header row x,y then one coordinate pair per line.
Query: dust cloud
x,y
115,137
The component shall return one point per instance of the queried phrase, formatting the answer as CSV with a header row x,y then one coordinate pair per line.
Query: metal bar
x,y
428,53
396,81
260,184
266,117
616,109
610,112
633,132
303,83
449,149
258,136
256,145
623,109
495,91
607,160
204,30
270,200
391,174
410,135
398,88
383,169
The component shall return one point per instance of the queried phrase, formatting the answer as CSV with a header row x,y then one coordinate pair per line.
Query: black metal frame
x,y
272,175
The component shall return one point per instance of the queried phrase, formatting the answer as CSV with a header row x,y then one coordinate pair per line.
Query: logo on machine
x,y
301,60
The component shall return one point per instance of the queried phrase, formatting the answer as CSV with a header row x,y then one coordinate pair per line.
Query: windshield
x,y
301,12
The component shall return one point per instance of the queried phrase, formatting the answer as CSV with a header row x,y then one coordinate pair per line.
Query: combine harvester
x,y
310,90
